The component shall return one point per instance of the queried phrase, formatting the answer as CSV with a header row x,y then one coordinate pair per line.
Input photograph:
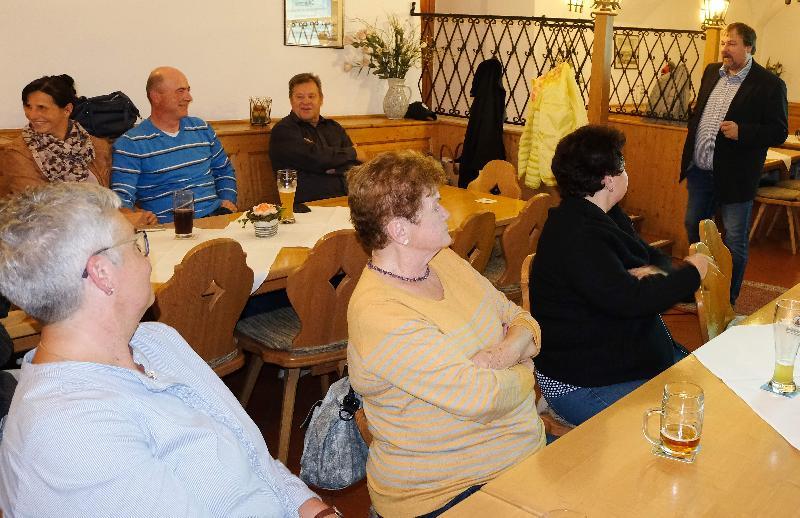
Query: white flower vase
x,y
395,102
266,228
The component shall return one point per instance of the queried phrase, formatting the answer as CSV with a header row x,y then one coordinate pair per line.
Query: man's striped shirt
x,y
150,165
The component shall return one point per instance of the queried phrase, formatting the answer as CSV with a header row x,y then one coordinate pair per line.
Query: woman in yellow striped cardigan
x,y
441,358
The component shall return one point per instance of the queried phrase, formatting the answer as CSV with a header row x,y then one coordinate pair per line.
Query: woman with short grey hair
x,y
112,417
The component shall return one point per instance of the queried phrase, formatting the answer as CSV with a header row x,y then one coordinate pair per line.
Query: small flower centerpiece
x,y
388,54
264,218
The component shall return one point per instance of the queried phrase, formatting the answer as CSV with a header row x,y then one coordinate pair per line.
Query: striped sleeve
x,y
431,366
125,171
222,169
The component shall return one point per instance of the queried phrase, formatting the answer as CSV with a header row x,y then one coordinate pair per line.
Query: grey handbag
x,y
334,453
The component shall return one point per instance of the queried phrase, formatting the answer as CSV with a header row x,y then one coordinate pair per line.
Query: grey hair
x,y
47,235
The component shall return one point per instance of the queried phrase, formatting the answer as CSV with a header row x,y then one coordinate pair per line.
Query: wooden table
x,y
459,202
765,314
777,164
605,468
792,142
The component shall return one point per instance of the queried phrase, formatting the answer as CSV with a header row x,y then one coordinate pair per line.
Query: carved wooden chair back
x,y
474,239
524,281
500,174
713,240
521,237
320,289
204,298
714,309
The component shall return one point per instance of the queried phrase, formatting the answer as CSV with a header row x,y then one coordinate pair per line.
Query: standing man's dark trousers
x,y
735,218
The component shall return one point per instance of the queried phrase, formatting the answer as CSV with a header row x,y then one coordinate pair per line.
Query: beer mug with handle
x,y
681,423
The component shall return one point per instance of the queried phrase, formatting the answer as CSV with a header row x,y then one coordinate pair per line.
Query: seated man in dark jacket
x,y
318,148
7,382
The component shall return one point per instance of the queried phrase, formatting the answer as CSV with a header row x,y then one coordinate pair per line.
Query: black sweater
x,y
322,154
601,325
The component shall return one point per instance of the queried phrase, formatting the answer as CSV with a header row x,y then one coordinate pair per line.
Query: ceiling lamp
x,y
714,12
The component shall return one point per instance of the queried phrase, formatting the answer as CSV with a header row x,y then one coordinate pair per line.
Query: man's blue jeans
x,y
735,218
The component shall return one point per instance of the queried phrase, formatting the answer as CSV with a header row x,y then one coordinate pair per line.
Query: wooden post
x,y
426,34
711,52
602,57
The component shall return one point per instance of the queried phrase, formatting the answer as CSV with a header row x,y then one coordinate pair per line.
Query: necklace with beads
x,y
400,277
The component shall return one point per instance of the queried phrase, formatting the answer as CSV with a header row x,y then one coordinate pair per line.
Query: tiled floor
x,y
770,262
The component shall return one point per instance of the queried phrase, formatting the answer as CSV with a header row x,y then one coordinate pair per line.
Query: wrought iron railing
x,y
656,72
526,46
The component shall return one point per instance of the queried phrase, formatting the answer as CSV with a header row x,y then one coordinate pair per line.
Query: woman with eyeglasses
x,y
112,417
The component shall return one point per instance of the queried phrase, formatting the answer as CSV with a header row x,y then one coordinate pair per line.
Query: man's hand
x,y
312,507
229,205
139,218
730,129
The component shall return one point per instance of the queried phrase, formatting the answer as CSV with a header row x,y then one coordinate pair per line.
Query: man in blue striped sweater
x,y
170,151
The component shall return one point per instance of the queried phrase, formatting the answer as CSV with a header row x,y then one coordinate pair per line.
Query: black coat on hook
x,y
483,141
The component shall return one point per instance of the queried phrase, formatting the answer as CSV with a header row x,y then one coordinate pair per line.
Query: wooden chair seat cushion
x,y
789,184
277,328
778,193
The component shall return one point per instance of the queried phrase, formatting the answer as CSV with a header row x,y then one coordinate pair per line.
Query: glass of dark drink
x,y
183,213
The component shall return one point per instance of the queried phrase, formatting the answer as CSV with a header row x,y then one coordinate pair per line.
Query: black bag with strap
x,y
107,116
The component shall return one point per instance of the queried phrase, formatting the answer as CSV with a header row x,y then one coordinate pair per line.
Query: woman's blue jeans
x,y
581,404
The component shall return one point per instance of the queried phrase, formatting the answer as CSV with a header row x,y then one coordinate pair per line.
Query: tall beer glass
x,y
183,213
786,329
287,185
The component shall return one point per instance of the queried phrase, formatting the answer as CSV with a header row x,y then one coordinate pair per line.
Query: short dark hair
x,y
305,77
584,157
391,185
747,33
61,88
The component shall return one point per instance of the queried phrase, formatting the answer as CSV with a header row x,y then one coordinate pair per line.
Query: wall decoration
x,y
314,23
626,51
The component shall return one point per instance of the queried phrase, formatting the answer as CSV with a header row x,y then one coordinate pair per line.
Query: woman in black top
x,y
596,288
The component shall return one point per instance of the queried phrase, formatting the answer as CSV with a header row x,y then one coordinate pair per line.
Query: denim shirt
x,y
86,439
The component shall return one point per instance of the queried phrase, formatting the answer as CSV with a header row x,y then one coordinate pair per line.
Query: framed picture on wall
x,y
626,53
314,23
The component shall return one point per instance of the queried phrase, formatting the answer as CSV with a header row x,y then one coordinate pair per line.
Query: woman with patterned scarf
x,y
52,147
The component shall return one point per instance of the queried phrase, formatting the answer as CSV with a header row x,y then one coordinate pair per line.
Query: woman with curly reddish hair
x,y
441,358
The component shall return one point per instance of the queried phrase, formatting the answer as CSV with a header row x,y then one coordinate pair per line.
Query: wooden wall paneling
x,y
376,140
652,159
794,117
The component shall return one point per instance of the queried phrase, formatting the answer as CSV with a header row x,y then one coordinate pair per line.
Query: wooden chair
x,y
519,239
203,301
713,297
500,174
474,239
551,425
313,332
718,251
779,197
23,329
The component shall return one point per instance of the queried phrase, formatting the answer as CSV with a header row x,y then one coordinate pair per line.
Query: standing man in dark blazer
x,y
741,111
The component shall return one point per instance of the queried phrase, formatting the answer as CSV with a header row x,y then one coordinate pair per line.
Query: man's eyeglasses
x,y
141,242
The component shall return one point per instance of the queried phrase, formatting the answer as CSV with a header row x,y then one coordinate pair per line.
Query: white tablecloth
x,y
743,357
166,251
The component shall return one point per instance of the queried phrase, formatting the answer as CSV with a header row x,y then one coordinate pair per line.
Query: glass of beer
x,y
287,185
183,213
786,329
681,421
